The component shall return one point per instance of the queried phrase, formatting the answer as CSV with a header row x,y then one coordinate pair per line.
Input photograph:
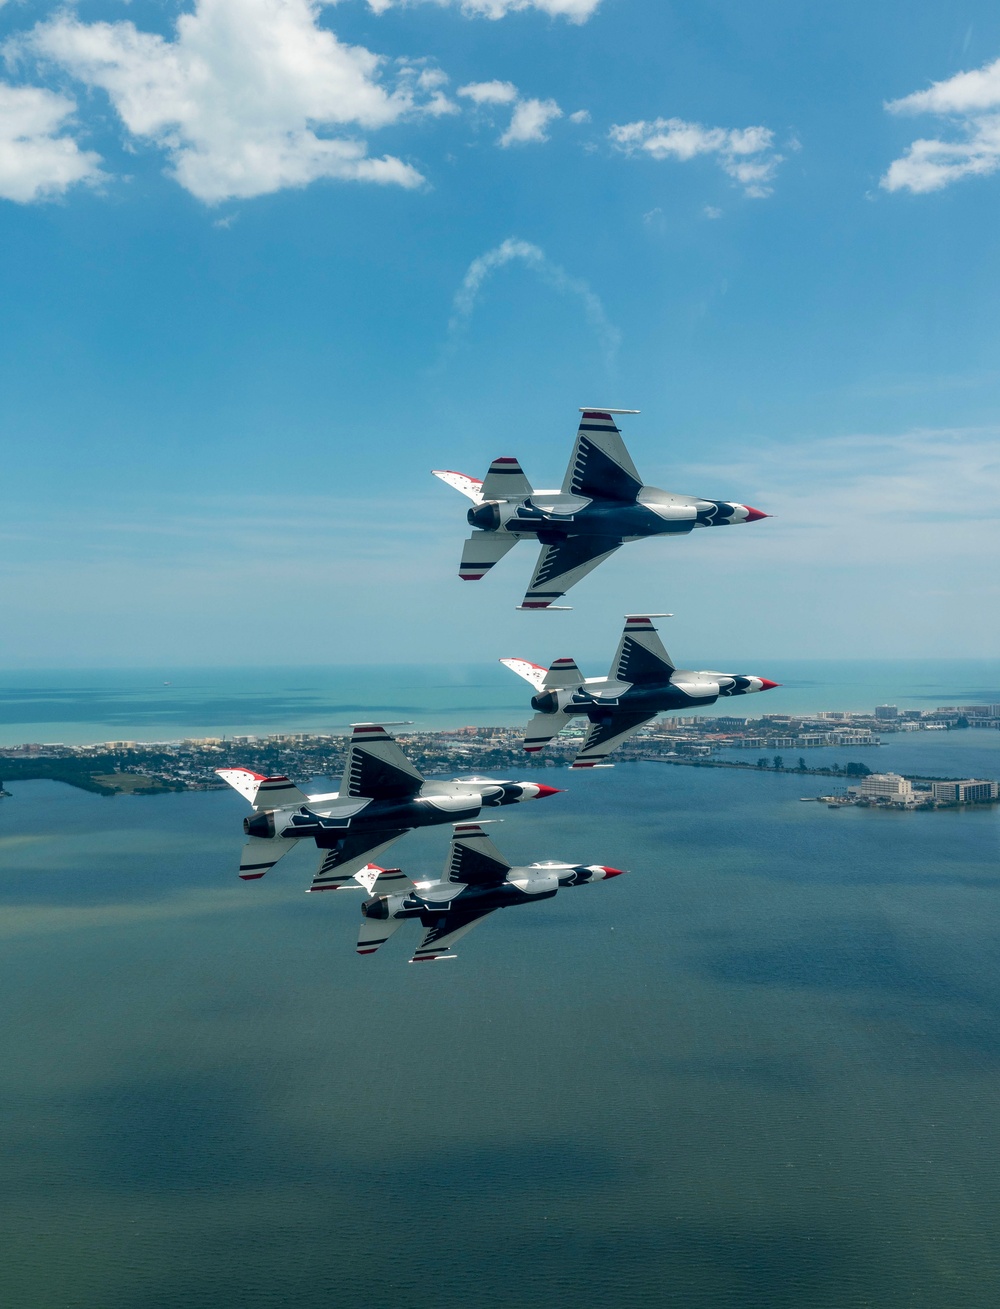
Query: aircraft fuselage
x,y
656,513
429,900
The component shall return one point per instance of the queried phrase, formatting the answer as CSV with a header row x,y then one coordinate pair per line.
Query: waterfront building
x,y
886,712
970,791
886,786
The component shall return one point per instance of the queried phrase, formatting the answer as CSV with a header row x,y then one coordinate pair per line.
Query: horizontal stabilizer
x,y
533,673
262,792
481,552
473,858
374,932
542,728
442,933
376,767
562,674
260,854
506,481
383,881
469,486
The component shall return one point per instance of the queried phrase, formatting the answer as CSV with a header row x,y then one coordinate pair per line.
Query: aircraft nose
x,y
767,685
754,514
543,791
612,872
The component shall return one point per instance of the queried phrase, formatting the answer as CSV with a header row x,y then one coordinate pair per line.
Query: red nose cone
x,y
613,872
543,791
754,514
766,685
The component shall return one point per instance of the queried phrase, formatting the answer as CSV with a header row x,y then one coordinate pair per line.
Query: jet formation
x,y
602,503
382,796
476,880
641,683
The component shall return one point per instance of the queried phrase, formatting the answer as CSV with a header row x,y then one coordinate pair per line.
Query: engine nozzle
x,y
377,907
546,702
485,516
261,824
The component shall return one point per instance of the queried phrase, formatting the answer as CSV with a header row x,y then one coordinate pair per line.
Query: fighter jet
x,y
476,880
641,683
602,504
381,798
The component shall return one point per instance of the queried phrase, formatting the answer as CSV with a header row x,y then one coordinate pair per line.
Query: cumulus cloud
x,y
529,121
249,97
532,256
972,102
747,154
37,160
489,93
576,11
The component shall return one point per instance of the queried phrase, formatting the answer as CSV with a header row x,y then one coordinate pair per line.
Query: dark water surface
x,y
761,1070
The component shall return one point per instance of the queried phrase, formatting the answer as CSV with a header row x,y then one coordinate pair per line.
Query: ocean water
x,y
759,1071
166,704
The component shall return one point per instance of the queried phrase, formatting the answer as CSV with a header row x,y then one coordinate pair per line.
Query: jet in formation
x,y
641,683
382,796
477,880
602,504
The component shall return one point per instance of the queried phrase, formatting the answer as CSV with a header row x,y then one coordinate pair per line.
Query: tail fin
x,y
470,486
383,881
533,673
262,792
506,481
376,768
473,857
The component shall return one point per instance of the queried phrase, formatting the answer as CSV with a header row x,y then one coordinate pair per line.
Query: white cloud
x,y
581,116
249,97
972,101
533,257
530,119
35,162
489,93
746,154
711,211
576,11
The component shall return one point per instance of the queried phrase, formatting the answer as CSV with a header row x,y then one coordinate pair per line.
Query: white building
x,y
966,792
885,786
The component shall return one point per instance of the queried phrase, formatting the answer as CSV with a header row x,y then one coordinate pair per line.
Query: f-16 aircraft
x,y
477,879
601,505
641,683
381,798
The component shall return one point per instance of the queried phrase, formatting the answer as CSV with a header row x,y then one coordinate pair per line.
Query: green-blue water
x,y
165,704
761,1070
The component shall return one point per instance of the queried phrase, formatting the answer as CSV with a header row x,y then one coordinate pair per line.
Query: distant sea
x,y
83,706
761,1071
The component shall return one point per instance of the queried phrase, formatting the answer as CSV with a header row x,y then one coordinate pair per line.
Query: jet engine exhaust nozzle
x,y
485,516
546,702
260,824
378,907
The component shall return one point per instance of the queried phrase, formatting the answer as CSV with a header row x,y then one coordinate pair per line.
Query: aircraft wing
x,y
481,552
640,656
349,856
562,564
607,735
376,767
600,466
443,930
260,854
473,858
542,728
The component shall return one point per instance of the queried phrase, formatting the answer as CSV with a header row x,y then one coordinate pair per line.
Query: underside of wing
x,y
562,564
374,932
607,735
641,658
542,728
443,930
600,466
481,552
473,858
376,767
259,856
348,857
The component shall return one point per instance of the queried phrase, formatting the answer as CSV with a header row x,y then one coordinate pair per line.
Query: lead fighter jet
x,y
381,798
476,880
602,504
641,683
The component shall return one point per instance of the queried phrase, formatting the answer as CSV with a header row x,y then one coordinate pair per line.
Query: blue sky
x,y
264,264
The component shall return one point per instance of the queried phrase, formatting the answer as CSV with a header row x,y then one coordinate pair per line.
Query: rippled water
x,y
761,1070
